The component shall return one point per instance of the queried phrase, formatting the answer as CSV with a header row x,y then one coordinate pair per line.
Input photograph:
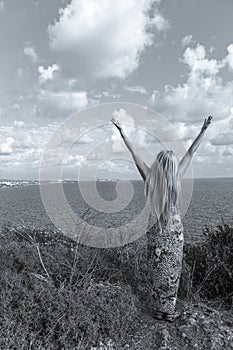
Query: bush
x,y
208,266
54,296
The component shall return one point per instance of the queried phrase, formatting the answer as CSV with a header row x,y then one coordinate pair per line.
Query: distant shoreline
x,y
5,183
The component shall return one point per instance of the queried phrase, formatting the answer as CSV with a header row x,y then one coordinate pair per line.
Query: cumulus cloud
x,y
198,62
229,58
46,74
160,22
30,52
103,39
224,133
187,40
124,118
128,122
202,94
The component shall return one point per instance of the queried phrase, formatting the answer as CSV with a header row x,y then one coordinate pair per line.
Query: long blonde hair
x,y
162,186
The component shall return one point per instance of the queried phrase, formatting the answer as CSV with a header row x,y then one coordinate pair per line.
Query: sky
x,y
61,57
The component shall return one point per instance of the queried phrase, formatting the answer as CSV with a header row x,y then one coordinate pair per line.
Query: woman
x,y
165,230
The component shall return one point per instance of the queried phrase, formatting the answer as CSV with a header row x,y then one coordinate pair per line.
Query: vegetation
x,y
208,267
56,294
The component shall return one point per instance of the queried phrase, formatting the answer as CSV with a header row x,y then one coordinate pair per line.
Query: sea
x,y
21,204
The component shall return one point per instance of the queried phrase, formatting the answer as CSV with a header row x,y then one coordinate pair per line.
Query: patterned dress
x,y
165,253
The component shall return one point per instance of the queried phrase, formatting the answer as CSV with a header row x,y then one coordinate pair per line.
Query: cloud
x,y
224,136
223,139
102,39
15,107
137,89
118,167
105,95
229,58
160,22
124,118
132,132
64,100
47,74
187,40
202,94
198,62
227,153
85,138
23,144
6,146
19,123
74,161
30,52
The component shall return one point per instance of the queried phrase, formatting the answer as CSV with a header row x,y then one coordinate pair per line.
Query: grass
x,y
208,266
57,295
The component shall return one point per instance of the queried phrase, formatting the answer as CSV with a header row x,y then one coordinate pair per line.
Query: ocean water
x,y
211,204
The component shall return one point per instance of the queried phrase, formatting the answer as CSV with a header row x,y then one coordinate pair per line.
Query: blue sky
x,y
60,57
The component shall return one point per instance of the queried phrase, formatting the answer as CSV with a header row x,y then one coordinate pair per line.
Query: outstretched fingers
x,y
116,123
207,122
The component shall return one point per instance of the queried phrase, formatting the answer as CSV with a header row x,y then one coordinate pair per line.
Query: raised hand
x,y
185,161
116,123
206,123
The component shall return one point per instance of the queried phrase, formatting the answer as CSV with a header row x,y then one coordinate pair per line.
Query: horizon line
x,y
112,179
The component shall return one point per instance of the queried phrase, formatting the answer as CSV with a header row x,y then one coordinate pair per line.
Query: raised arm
x,y
141,165
185,161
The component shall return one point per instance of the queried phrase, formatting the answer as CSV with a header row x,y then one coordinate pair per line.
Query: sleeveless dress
x,y
165,253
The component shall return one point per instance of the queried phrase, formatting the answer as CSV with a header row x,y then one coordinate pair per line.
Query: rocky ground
x,y
199,327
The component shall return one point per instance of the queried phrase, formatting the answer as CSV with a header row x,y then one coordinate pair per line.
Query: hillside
x,y
58,295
